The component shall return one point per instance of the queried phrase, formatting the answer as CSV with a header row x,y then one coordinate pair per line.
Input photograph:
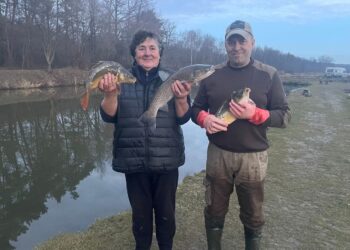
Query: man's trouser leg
x,y
218,188
217,196
250,192
250,197
140,196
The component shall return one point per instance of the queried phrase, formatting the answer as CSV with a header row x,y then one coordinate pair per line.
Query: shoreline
x,y
18,79
15,79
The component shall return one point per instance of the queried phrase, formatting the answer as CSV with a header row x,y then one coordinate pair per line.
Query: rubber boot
x,y
252,238
214,238
213,227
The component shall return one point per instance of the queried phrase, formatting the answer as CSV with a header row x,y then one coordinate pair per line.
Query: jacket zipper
x,y
145,107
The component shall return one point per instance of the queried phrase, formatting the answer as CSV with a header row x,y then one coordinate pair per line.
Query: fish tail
x,y
84,101
148,119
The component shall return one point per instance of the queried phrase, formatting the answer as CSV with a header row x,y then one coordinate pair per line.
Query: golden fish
x,y
98,71
238,96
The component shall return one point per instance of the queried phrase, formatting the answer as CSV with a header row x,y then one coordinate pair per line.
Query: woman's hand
x,y
110,89
181,89
108,86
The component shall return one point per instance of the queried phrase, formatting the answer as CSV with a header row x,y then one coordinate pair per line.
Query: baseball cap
x,y
240,28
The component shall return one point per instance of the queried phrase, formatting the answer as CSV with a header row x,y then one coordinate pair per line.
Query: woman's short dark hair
x,y
140,36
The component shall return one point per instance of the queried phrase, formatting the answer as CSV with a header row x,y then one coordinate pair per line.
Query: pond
x,y
55,165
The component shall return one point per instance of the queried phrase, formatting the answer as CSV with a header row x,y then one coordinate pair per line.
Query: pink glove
x,y
248,110
260,116
201,117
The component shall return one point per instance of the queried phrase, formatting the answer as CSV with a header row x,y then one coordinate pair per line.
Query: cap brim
x,y
240,32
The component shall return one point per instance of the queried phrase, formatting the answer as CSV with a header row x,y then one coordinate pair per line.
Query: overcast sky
x,y
305,28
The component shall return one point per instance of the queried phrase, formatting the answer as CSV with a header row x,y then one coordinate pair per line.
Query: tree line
x,y
78,33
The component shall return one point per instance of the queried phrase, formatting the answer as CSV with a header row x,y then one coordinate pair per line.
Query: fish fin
x,y
164,108
152,124
84,101
224,106
148,120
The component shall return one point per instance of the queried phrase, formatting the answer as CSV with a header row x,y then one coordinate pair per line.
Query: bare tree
x,y
168,33
29,12
48,29
92,28
37,33
9,29
192,41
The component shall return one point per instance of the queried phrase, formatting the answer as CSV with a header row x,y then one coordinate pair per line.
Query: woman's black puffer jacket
x,y
136,147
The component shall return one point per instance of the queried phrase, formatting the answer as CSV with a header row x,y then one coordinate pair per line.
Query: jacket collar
x,y
144,76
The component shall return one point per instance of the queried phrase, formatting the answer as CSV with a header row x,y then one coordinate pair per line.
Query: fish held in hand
x,y
238,96
192,74
97,72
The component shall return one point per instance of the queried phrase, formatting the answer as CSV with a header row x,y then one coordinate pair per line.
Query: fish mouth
x,y
237,95
127,79
132,81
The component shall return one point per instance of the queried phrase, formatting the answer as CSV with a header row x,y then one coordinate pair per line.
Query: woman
x,y
149,158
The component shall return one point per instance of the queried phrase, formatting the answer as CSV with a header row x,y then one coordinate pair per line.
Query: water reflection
x,y
46,149
55,168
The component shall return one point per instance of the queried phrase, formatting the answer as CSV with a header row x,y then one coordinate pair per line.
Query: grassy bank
x,y
307,188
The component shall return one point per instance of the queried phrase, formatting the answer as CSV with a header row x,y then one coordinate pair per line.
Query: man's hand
x,y
243,110
107,85
181,89
213,124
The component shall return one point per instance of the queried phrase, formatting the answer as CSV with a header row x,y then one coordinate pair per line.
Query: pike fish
x,y
192,74
238,96
97,72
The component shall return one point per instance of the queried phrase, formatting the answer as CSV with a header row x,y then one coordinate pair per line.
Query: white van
x,y
335,72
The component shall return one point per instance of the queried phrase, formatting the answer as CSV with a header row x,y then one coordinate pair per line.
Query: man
x,y
237,155
149,159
